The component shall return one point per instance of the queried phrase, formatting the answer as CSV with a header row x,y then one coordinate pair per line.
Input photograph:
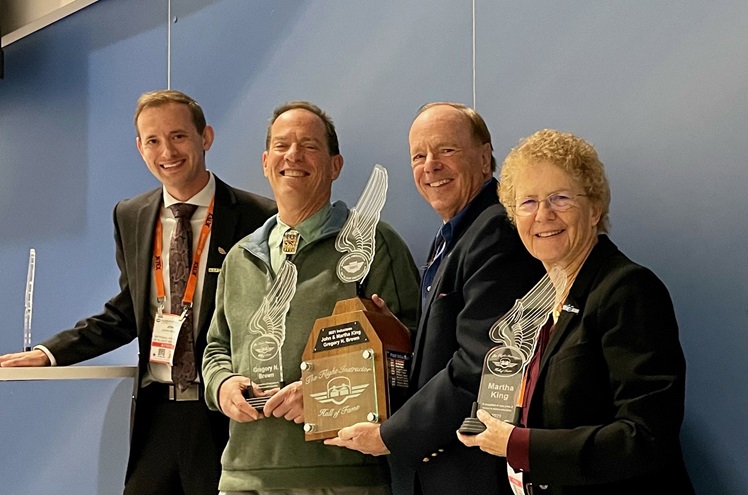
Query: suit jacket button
x,y
543,487
426,459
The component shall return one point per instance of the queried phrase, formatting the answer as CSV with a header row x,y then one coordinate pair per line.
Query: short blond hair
x,y
572,154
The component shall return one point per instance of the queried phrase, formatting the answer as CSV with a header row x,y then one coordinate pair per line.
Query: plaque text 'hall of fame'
x,y
355,360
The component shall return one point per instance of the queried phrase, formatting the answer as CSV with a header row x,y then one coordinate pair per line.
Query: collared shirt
x,y
443,244
309,230
162,372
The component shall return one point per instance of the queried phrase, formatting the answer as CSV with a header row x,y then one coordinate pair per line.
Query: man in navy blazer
x,y
176,441
477,269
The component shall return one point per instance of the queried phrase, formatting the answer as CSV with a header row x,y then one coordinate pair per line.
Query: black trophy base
x,y
256,402
472,425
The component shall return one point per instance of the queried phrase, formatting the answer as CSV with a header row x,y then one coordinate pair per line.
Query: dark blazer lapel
x,y
573,307
433,294
485,199
479,204
141,280
423,315
221,236
436,283
562,327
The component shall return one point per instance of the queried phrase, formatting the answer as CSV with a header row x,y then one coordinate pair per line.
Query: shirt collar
x,y
202,198
309,230
449,228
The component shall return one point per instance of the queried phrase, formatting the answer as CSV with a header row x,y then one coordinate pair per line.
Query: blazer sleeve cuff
x,y
518,449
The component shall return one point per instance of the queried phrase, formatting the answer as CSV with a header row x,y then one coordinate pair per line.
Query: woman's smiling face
x,y
562,238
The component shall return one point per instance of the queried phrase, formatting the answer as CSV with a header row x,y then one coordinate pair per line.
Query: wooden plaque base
x,y
353,364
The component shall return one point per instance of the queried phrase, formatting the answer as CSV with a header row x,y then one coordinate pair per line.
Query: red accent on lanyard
x,y
189,291
528,381
521,398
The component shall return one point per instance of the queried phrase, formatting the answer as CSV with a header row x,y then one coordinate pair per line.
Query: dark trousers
x,y
176,448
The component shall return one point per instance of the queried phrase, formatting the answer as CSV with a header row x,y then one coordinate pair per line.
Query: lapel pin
x,y
221,250
290,241
569,308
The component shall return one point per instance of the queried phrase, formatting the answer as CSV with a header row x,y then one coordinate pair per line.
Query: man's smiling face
x,y
449,164
298,164
173,149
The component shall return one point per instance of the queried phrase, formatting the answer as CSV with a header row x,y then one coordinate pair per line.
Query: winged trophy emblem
x,y
357,238
269,324
516,332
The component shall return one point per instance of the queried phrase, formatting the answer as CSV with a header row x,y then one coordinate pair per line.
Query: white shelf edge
x,y
67,373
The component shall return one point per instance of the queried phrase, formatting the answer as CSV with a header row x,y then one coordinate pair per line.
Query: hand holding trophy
x,y
355,360
500,393
269,324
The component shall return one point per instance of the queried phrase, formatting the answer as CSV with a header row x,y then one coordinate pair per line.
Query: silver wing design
x,y
270,317
519,327
357,237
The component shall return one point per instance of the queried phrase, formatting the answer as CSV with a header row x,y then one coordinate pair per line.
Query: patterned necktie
x,y
183,372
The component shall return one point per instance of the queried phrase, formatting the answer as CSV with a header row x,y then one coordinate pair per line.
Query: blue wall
x,y
659,88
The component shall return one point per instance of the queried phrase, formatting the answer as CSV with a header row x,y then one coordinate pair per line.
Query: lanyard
x,y
527,387
189,291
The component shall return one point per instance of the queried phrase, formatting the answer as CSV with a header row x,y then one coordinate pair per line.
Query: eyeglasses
x,y
556,202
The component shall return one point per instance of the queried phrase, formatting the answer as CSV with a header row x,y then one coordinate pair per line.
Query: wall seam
x,y
474,99
168,44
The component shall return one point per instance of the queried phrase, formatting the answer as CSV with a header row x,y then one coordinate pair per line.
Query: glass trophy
x,y
354,365
268,325
516,334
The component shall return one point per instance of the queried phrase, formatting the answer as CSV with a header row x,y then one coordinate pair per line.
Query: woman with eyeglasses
x,y
603,394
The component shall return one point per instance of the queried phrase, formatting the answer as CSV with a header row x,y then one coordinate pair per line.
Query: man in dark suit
x,y
176,442
477,269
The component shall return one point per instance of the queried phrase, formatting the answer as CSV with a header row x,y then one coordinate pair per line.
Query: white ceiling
x,y
20,18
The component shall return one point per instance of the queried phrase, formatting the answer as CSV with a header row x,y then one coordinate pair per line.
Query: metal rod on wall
x,y
474,103
168,44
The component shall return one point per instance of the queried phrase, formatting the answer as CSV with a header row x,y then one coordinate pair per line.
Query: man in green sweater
x,y
267,453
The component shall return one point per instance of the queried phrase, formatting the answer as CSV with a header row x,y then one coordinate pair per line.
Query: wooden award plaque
x,y
354,368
